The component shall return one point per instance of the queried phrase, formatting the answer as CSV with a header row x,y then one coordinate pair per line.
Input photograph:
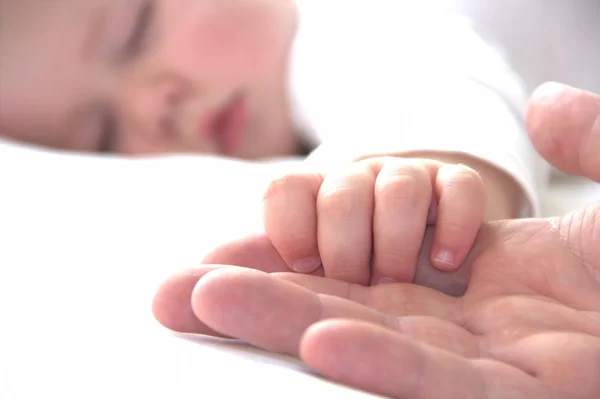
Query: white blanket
x,y
84,241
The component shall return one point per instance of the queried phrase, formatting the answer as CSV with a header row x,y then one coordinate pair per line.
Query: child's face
x,y
148,76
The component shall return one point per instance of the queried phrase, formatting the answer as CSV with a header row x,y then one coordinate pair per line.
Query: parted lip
x,y
225,124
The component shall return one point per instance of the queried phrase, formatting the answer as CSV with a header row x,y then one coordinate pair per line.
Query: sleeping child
x,y
402,109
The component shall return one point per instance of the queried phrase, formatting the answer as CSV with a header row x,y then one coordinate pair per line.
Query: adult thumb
x,y
564,126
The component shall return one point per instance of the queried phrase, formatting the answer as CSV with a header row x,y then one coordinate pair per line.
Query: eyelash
x,y
138,39
135,45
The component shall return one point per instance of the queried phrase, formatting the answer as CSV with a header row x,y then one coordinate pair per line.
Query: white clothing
x,y
542,39
398,76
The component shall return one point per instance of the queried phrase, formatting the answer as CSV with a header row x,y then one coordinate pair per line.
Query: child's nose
x,y
154,105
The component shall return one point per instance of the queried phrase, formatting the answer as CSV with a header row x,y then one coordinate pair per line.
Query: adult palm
x,y
520,319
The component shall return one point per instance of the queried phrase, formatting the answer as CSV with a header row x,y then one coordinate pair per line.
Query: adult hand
x,y
527,325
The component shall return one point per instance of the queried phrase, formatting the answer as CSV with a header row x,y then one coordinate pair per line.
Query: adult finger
x,y
393,299
272,313
172,307
257,252
290,219
266,311
568,363
172,303
385,362
440,334
564,126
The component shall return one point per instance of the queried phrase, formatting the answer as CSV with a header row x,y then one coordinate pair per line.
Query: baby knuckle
x,y
405,180
463,175
337,201
347,191
283,184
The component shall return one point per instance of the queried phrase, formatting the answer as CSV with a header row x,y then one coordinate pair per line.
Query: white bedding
x,y
83,243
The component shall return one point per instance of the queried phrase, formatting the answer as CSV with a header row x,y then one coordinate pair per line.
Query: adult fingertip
x,y
255,307
353,353
322,343
172,306
215,291
548,94
563,125
550,89
545,97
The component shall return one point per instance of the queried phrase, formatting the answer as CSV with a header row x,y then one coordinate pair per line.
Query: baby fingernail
x,y
307,265
446,257
386,280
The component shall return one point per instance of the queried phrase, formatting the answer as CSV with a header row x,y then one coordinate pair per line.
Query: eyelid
x,y
137,39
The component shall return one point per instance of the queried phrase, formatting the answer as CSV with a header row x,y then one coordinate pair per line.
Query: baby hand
x,y
365,223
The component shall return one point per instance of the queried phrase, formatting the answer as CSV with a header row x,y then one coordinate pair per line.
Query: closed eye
x,y
137,39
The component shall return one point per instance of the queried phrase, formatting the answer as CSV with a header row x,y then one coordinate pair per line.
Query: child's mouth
x,y
226,125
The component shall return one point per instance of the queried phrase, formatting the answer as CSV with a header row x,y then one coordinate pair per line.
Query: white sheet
x,y
83,243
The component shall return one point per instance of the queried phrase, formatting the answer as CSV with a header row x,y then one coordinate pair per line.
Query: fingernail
x,y
386,280
446,257
307,265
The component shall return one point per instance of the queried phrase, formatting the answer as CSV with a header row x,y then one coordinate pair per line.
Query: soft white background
x,y
83,243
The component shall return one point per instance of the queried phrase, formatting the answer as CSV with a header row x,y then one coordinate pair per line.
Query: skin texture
x,y
520,319
357,214
146,76
153,77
